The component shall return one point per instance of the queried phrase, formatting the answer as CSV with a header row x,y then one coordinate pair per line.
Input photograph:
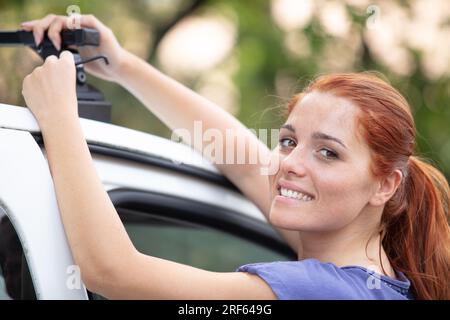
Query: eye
x,y
328,154
286,143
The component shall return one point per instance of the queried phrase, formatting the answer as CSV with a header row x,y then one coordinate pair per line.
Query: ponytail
x,y
416,230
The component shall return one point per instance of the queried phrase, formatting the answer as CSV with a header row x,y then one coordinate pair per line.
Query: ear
x,y
386,188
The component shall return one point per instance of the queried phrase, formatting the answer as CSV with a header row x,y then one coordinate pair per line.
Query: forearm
x,y
94,230
169,99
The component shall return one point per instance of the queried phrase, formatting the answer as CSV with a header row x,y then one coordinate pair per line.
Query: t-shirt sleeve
x,y
302,280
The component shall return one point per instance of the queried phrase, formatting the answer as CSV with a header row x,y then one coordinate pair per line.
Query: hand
x,y
50,90
108,46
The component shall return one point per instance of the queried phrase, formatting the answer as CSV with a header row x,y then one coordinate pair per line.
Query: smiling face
x,y
322,157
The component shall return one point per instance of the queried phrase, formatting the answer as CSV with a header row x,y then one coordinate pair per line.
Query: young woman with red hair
x,y
367,217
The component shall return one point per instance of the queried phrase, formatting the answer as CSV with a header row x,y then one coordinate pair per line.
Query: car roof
x,y
110,135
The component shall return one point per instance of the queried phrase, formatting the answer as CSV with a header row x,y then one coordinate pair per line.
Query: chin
x,y
301,219
289,220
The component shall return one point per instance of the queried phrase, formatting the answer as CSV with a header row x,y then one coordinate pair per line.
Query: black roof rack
x,y
91,102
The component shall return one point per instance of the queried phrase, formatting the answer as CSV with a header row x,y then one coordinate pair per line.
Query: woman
x,y
367,218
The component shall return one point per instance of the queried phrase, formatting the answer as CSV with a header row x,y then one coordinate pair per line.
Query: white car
x,y
174,205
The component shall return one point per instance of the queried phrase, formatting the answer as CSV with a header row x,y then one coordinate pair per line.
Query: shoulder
x,y
312,279
306,279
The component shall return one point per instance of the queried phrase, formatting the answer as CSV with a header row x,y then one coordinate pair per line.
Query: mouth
x,y
294,193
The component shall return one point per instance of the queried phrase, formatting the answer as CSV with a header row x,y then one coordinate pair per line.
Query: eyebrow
x,y
316,135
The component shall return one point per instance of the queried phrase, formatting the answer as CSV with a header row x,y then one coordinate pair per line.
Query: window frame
x,y
116,152
201,214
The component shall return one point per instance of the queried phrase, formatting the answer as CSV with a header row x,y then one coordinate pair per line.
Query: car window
x,y
192,244
15,279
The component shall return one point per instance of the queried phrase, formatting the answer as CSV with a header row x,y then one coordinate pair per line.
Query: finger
x,y
38,70
28,25
51,59
90,21
41,26
25,82
54,31
67,56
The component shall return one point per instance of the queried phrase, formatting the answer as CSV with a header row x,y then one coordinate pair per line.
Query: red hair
x,y
414,226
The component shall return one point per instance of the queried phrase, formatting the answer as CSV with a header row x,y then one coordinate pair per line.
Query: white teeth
x,y
294,195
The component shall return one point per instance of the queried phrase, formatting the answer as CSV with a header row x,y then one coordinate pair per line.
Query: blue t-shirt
x,y
311,279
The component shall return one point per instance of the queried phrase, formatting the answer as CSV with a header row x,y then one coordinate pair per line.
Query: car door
x,y
35,259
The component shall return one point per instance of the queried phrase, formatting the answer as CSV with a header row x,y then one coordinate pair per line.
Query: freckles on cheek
x,y
344,195
336,189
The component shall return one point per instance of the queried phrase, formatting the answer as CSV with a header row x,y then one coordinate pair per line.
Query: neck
x,y
345,248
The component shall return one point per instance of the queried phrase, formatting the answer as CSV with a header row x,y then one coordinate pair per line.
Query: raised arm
x,y
179,108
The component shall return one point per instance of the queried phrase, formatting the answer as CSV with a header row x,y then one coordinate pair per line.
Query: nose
x,y
294,162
